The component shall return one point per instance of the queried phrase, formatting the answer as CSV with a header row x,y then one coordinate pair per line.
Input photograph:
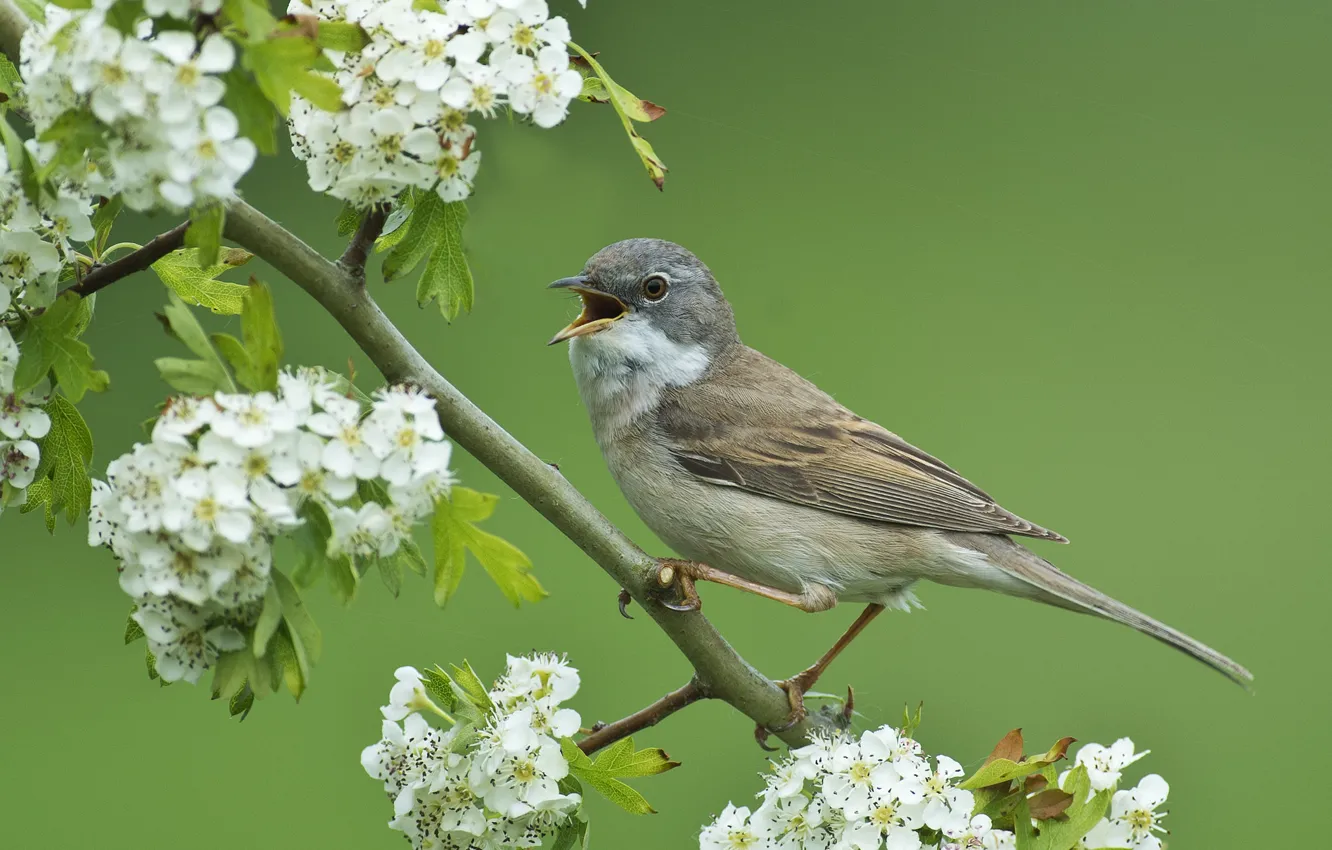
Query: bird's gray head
x,y
643,287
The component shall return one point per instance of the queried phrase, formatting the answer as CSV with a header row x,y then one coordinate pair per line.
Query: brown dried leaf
x,y
1009,747
1050,803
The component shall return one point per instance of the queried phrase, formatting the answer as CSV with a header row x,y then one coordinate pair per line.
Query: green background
x,y
1078,250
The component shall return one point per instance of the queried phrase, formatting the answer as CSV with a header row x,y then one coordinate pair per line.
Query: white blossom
x,y
167,141
1134,821
413,87
193,515
1105,765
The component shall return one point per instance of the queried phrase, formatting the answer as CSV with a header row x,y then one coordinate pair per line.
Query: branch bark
x,y
358,250
653,714
135,261
720,672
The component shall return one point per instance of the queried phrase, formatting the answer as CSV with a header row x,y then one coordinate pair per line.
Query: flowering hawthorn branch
x,y
136,261
603,736
720,672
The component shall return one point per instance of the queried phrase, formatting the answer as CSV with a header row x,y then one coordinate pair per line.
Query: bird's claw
x,y
625,599
677,574
795,688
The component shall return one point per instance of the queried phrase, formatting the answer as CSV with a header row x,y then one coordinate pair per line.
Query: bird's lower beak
x,y
600,310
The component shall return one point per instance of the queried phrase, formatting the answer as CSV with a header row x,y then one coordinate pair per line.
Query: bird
x,y
762,481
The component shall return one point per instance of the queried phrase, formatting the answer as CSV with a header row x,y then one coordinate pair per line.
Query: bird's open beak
x,y
600,310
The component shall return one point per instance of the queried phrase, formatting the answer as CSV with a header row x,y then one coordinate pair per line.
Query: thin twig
x,y
358,250
643,718
101,277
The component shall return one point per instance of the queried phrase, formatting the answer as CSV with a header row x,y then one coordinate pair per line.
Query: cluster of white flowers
x,y
878,791
22,420
411,91
192,514
482,789
35,243
858,794
165,140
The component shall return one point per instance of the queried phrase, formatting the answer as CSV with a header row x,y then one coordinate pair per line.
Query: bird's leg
x,y
798,685
683,574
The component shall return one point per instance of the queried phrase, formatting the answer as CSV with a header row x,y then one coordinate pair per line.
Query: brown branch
x,y
358,250
136,261
653,714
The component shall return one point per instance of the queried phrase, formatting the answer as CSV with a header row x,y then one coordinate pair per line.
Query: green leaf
x,y
303,633
454,530
34,10
230,673
603,774
181,323
630,108
205,232
67,451
282,65
472,688
1084,812
439,687
263,341
270,617
133,631
622,760
349,218
572,834
394,225
233,351
288,661
192,377
433,233
241,702
1003,769
253,111
40,493
182,274
341,35
427,6
10,82
103,220
22,162
252,16
50,342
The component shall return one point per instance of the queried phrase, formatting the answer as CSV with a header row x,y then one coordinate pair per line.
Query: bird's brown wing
x,y
764,429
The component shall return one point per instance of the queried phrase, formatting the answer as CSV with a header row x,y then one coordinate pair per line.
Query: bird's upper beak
x,y
600,309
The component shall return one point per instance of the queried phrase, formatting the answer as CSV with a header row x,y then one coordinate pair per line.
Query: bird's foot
x,y
796,687
672,573
625,599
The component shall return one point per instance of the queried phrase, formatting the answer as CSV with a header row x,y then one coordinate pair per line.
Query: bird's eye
x,y
655,288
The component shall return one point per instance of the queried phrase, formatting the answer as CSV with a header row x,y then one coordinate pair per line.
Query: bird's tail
x,y
1053,586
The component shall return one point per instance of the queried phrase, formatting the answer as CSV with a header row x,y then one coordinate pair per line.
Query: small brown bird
x,y
770,485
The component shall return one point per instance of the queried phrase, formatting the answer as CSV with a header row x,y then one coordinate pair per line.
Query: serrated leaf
x,y
1084,811
254,113
133,631
622,760
151,662
439,687
454,531
40,493
67,451
603,780
447,278
230,672
182,274
192,377
205,232
288,662
270,617
472,688
394,229
571,834
420,233
50,343
1003,769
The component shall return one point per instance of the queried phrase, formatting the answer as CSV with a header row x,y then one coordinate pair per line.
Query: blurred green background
x,y
1078,250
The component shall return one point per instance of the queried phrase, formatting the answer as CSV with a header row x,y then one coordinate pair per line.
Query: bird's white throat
x,y
622,371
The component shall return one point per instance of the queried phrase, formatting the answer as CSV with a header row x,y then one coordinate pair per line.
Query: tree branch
x,y
135,261
358,250
719,671
653,714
